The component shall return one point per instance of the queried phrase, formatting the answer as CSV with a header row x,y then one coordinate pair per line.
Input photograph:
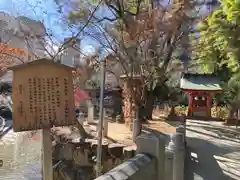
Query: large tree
x,y
142,36
10,56
219,38
218,48
84,70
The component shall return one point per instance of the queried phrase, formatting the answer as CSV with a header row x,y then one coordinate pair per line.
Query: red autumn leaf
x,y
10,56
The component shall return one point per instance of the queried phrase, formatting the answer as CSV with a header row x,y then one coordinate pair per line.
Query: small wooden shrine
x,y
200,89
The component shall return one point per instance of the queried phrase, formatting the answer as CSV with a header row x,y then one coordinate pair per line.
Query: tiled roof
x,y
205,82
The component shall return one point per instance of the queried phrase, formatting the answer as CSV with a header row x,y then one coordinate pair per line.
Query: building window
x,y
3,23
29,57
76,60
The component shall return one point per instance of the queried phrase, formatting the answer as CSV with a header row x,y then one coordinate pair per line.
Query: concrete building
x,y
71,55
23,32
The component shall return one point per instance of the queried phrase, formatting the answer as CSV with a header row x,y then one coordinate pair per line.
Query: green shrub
x,y
220,112
181,110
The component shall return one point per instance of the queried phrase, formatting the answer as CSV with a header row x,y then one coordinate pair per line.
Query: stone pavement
x,y
21,156
213,151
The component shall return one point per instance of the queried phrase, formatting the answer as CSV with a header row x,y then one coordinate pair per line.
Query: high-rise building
x,y
23,32
71,55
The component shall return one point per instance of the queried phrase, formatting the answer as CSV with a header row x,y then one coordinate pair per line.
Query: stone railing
x,y
142,166
156,159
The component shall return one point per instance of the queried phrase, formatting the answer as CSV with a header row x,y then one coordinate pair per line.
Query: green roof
x,y
203,82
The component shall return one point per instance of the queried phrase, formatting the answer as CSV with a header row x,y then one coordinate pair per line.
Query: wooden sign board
x,y
42,95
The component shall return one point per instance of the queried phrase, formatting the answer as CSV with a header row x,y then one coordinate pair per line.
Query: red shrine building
x,y
200,89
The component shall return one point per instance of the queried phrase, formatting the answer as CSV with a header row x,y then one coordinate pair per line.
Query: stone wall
x,y
75,159
156,158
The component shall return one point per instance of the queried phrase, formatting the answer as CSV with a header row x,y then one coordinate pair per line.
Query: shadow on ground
x,y
213,151
201,164
226,133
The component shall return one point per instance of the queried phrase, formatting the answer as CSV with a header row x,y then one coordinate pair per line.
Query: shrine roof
x,y
202,82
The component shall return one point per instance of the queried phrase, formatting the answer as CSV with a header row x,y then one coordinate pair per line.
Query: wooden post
x,y
216,110
90,118
47,154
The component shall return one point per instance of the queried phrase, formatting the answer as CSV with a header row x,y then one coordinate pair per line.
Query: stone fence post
x,y
155,146
136,129
81,118
168,165
176,146
182,130
90,114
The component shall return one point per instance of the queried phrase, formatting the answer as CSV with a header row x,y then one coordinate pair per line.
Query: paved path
x,y
21,154
214,151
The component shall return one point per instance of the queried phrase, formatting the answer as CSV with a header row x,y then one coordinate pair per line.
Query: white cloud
x,y
51,47
88,50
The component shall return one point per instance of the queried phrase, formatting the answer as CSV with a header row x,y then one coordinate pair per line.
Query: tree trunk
x,y
172,111
232,112
149,105
132,104
128,109
238,118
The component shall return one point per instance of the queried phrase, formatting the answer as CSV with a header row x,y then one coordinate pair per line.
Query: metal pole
x,y
100,124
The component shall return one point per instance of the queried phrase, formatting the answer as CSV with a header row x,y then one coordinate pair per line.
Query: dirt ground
x,y
120,133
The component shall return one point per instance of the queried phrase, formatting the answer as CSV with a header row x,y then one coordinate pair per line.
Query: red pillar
x,y
209,105
190,104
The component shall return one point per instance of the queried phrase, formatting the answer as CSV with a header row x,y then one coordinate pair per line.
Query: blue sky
x,y
45,11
